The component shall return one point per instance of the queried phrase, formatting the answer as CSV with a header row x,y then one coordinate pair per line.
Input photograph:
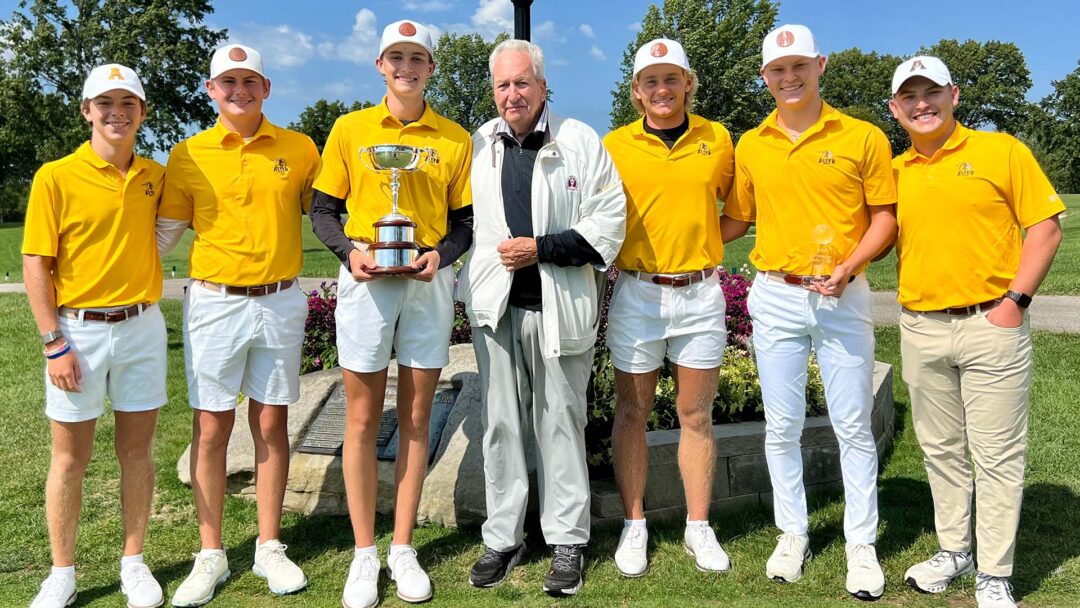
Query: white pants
x,y
410,318
788,320
648,321
527,398
248,344
123,361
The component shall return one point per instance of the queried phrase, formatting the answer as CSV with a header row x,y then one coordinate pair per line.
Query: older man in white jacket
x,y
549,217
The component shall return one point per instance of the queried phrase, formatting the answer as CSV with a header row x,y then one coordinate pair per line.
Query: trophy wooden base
x,y
392,270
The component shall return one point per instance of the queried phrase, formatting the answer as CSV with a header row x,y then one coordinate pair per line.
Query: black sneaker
x,y
493,566
567,565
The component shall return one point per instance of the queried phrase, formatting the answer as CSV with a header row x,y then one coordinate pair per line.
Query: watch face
x,y
1022,299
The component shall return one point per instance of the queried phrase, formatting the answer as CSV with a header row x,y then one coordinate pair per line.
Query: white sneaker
x,y
362,586
865,580
993,591
933,575
281,574
140,587
785,565
630,557
56,592
199,587
700,541
413,584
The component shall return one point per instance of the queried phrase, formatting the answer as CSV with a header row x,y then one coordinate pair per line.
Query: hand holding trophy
x,y
394,249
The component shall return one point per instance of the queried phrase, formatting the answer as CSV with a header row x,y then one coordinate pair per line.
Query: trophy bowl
x,y
394,249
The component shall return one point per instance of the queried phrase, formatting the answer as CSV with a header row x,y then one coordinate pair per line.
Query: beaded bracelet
x,y
60,352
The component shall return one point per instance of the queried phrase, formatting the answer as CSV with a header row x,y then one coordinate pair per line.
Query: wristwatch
x,y
1022,299
52,335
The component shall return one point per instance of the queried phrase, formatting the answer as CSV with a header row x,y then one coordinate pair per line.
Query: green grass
x,y
1048,555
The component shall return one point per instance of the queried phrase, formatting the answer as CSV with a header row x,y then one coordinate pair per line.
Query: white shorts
x,y
123,361
410,317
648,321
248,344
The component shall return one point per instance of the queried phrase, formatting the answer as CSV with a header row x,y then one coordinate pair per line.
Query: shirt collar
x,y
266,129
86,153
427,119
637,128
772,121
956,139
502,128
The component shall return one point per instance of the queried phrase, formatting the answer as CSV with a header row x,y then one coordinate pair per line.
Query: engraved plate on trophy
x,y
394,249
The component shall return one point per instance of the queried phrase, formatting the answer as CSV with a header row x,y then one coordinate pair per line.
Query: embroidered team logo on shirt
x,y
826,158
281,167
571,183
965,170
148,189
703,149
433,157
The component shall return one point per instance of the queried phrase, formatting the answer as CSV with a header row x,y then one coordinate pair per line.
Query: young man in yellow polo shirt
x,y
967,274
243,187
820,187
410,314
675,167
93,279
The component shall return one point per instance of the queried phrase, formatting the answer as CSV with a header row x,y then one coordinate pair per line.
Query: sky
x,y
319,49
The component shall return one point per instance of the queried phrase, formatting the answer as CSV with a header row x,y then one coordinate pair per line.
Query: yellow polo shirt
x,y
99,226
962,213
425,195
245,201
672,195
836,169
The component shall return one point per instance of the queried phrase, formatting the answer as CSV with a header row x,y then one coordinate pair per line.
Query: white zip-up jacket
x,y
574,185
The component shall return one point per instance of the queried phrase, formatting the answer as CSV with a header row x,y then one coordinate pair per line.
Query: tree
x,y
858,84
993,78
317,119
460,89
722,39
1053,132
53,45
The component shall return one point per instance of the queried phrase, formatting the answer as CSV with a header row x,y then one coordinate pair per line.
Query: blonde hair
x,y
689,74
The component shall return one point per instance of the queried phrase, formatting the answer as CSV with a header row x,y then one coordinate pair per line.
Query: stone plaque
x,y
327,432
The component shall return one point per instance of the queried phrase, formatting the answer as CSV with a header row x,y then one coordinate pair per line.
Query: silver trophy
x,y
394,250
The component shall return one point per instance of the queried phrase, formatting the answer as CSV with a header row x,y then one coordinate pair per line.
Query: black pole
x,y
522,28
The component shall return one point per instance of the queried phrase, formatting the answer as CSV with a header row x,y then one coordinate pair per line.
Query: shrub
x,y
320,331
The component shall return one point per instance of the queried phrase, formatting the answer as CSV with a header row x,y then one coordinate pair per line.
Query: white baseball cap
x,y
111,76
406,31
660,50
236,57
921,65
788,40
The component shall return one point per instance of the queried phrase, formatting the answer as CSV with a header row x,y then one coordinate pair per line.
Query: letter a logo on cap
x,y
917,65
237,54
658,50
407,29
785,38
114,74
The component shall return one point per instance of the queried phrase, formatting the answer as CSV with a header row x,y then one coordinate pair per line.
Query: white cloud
x,y
549,31
634,27
587,30
430,6
281,46
493,17
362,44
559,62
597,53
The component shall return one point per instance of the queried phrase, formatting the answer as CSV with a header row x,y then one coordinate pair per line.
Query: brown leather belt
x,y
674,280
794,279
963,311
108,316
250,290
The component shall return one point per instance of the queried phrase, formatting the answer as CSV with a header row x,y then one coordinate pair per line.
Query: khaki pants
x,y
969,383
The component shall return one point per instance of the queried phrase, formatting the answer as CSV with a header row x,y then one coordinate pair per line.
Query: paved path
x,y
1049,313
